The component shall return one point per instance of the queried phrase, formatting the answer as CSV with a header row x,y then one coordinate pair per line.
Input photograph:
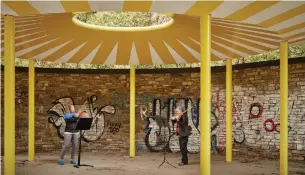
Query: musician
x,y
183,132
70,135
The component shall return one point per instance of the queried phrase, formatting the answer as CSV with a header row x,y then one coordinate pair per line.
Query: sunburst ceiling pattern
x,y
44,31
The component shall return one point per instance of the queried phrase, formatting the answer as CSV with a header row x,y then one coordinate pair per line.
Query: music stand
x,y
82,124
165,123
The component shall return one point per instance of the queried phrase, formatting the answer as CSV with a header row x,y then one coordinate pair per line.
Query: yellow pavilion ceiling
x,y
45,31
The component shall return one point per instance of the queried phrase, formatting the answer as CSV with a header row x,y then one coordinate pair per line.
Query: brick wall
x,y
105,97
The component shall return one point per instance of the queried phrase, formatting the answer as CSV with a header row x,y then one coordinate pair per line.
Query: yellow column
x,y
31,139
229,111
9,95
284,108
205,95
132,111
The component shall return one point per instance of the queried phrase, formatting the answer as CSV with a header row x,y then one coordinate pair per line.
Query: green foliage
x,y
122,19
294,51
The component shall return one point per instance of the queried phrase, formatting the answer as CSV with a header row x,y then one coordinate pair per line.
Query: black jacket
x,y
184,125
71,123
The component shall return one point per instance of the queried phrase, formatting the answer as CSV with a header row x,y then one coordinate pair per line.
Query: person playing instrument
x,y
70,135
183,131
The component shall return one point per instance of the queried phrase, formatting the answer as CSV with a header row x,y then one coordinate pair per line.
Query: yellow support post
x,y
284,108
9,95
205,95
229,110
31,134
132,111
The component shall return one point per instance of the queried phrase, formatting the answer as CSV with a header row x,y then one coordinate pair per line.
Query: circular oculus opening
x,y
123,21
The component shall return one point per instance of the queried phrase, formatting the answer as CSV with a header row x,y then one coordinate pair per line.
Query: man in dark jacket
x,y
183,132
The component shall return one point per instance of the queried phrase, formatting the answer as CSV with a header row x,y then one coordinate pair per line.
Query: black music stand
x,y
165,123
82,124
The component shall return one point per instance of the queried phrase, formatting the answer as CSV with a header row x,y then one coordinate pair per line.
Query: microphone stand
x,y
164,158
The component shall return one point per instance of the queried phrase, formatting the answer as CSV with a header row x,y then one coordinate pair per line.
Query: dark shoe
x,y
181,164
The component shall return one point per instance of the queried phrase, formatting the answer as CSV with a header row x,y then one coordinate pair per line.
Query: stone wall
x,y
105,96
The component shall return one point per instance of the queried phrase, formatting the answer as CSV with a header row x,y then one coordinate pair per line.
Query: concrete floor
x,y
147,164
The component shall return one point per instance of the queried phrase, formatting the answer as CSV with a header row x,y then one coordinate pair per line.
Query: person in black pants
x,y
183,132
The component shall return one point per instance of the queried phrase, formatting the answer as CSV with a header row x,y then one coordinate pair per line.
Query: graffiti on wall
x,y
60,107
251,124
160,130
114,128
22,98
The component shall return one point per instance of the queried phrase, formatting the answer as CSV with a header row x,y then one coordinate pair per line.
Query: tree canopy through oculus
x,y
123,19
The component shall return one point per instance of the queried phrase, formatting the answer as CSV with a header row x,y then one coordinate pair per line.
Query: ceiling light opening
x,y
123,21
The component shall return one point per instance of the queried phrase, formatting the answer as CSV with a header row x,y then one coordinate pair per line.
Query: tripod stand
x,y
164,158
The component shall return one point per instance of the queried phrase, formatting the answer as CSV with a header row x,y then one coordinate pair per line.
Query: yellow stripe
x,y
29,37
21,7
247,32
137,6
31,22
40,17
214,57
295,36
124,50
233,22
181,50
251,10
75,6
104,51
203,7
17,34
234,46
299,41
64,50
162,51
34,43
283,17
220,32
225,51
20,19
245,28
242,41
44,48
184,25
83,52
29,27
190,43
292,28
248,37
143,51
